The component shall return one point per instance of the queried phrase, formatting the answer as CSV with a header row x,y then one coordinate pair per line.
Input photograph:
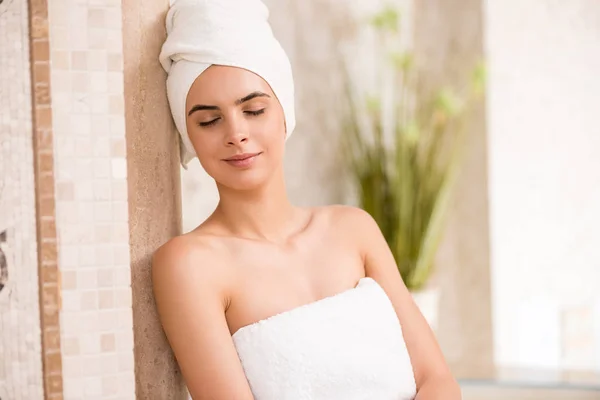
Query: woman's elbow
x,y
440,387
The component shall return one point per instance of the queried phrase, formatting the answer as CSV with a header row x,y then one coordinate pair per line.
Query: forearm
x,y
439,388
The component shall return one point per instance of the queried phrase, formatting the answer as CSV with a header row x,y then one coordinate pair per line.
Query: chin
x,y
244,180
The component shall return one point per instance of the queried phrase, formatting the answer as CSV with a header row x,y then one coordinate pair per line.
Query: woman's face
x,y
236,125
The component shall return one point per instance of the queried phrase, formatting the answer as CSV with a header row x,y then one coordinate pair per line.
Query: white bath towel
x,y
345,347
201,33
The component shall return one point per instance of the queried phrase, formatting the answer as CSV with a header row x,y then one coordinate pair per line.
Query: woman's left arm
x,y
432,375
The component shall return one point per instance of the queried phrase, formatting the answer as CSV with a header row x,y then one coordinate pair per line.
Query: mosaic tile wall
x,y
20,344
86,53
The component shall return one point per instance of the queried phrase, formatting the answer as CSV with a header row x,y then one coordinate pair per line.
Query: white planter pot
x,y
428,301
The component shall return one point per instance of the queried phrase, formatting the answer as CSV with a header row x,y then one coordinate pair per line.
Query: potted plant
x,y
403,154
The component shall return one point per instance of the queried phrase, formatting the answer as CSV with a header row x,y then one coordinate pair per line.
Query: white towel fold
x,y
236,33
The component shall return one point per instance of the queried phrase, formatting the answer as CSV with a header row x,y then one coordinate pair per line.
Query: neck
x,y
263,213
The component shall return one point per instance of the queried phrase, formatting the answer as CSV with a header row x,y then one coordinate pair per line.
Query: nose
x,y
237,132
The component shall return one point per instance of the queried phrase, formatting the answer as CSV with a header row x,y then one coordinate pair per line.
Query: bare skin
x,y
258,255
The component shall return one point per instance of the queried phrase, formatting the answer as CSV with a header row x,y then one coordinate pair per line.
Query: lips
x,y
241,157
244,160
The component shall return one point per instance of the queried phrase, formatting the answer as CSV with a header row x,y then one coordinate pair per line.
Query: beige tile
x,y
60,59
107,344
65,191
69,280
97,60
106,277
123,298
109,363
115,61
120,232
89,300
113,18
110,385
99,82
119,184
93,387
102,190
87,279
96,17
103,233
108,320
70,346
96,38
60,38
80,82
90,344
126,363
79,60
115,82
118,148
116,106
107,299
101,170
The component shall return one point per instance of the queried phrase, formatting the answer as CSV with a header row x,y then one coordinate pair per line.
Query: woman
x,y
265,300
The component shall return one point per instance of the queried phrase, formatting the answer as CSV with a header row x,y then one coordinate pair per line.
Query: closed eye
x,y
255,113
209,123
249,112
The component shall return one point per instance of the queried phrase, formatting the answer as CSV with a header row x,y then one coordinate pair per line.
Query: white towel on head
x,y
236,33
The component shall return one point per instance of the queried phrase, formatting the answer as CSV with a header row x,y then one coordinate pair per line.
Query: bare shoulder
x,y
191,276
349,220
191,259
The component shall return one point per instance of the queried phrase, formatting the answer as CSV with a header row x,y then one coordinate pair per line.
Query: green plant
x,y
404,154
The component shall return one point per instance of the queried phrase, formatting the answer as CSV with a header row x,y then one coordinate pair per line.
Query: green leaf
x,y
387,19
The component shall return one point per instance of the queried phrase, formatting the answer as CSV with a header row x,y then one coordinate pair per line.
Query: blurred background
x,y
466,128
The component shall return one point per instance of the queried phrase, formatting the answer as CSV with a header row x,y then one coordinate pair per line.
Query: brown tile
x,y
50,294
38,8
41,73
39,27
54,384
50,317
42,95
41,50
48,228
45,162
46,185
107,342
43,118
47,206
49,253
44,140
52,340
49,273
53,363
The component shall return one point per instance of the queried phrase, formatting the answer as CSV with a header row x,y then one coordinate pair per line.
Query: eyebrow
x,y
253,95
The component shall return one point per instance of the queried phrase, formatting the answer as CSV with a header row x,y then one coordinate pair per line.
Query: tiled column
x,y
86,54
154,189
